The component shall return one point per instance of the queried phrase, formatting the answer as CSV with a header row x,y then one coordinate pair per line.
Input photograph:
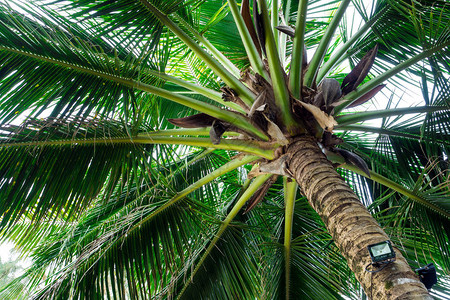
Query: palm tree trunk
x,y
350,224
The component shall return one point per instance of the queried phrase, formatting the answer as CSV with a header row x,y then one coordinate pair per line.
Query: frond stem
x,y
344,120
274,20
250,48
246,95
210,94
378,130
295,72
277,73
256,184
290,191
323,45
265,150
283,37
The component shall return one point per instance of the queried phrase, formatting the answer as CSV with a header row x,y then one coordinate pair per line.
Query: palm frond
x,y
107,245
57,181
33,49
322,272
418,27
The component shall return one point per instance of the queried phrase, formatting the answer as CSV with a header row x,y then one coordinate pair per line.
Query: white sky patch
x,y
7,253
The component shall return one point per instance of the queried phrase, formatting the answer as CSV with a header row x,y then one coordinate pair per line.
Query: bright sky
x,y
5,254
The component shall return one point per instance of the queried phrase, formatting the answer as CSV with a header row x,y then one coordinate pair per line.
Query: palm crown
x,y
154,149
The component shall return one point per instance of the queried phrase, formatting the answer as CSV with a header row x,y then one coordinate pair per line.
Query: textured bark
x,y
350,224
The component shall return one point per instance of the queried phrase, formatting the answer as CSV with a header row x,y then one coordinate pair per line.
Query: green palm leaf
x,y
33,177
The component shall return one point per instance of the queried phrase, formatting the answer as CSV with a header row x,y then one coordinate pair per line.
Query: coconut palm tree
x,y
223,150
